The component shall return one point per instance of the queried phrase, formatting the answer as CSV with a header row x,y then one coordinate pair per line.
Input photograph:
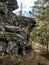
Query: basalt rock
x,y
14,30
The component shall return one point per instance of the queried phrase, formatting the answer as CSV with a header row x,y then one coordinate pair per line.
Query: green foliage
x,y
41,31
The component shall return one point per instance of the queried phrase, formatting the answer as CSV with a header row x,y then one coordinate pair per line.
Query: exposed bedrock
x,y
14,30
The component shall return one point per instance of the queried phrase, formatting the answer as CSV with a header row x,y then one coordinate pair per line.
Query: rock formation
x,y
14,30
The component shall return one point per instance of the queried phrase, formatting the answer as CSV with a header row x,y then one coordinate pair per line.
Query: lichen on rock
x,y
14,30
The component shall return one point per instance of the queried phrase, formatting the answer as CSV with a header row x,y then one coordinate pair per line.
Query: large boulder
x,y
14,30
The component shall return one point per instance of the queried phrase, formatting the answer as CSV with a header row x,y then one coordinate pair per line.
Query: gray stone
x,y
14,30
12,48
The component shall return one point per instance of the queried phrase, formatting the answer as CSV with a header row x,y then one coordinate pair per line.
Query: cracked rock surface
x,y
14,30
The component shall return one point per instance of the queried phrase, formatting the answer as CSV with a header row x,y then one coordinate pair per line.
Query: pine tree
x,y
42,19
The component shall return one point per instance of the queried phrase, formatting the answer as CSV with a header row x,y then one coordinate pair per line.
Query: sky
x,y
26,4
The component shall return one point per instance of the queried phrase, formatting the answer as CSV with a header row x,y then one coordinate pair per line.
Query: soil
x,y
37,56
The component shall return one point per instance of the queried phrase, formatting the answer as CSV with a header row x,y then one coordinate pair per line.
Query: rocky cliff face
x,y
11,4
14,30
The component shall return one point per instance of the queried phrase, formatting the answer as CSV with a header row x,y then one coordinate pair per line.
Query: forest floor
x,y
37,56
